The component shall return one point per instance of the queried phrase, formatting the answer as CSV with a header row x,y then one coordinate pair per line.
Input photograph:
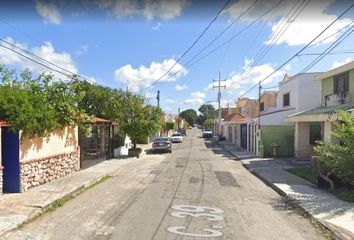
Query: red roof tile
x,y
102,120
234,117
4,123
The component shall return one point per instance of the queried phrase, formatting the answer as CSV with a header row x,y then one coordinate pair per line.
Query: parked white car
x,y
176,137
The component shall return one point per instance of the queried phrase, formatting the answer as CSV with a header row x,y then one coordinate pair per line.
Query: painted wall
x,y
309,95
61,141
269,101
305,93
280,135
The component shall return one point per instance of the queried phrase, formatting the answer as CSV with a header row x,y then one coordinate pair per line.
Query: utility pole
x,y
158,98
259,118
219,100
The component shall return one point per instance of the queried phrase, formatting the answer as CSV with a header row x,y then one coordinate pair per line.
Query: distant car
x,y
182,131
207,133
176,137
162,144
190,127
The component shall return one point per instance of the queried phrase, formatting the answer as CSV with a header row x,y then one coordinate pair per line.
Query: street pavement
x,y
330,211
197,192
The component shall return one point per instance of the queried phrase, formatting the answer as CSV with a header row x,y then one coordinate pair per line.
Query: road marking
x,y
197,212
212,233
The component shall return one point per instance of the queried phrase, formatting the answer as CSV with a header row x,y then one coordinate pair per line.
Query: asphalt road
x,y
197,192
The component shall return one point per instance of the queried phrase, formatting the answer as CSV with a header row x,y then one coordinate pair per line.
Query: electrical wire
x,y
189,63
278,34
41,61
301,50
189,48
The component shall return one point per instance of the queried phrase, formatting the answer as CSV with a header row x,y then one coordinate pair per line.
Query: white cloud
x,y
338,63
308,25
150,95
150,9
169,100
157,26
82,49
196,98
181,87
254,75
145,76
258,9
164,9
48,11
45,51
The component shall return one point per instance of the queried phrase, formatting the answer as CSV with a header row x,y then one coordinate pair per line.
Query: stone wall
x,y
39,171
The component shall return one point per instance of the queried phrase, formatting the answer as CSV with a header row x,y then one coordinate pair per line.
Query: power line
x,y
302,49
288,20
193,44
41,61
329,49
33,60
189,63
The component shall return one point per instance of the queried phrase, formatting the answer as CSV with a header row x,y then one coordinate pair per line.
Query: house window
x,y
315,133
341,83
286,99
261,107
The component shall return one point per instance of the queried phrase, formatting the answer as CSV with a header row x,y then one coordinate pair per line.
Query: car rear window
x,y
161,139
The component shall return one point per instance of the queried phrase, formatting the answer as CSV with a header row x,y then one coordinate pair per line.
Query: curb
x,y
336,236
38,211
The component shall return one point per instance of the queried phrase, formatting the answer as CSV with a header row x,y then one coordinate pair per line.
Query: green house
x,y
337,92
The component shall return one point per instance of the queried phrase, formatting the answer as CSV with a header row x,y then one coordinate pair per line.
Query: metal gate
x,y
10,150
244,136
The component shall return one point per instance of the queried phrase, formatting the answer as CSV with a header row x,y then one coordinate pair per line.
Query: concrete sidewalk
x,y
19,208
333,213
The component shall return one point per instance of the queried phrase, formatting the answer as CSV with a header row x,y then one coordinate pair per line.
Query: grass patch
x,y
345,194
305,173
102,179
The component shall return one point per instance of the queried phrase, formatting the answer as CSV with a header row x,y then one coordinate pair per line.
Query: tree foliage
x,y
207,112
41,104
137,119
37,105
209,123
338,159
190,115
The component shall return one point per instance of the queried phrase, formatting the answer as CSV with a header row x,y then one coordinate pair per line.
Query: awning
x,y
319,114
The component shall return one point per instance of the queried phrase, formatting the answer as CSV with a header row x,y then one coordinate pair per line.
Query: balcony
x,y
337,99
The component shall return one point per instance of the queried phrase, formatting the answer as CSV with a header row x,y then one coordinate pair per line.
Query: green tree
x,y
207,112
37,105
137,119
190,115
209,123
336,158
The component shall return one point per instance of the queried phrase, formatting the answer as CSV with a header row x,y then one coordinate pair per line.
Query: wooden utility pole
x,y
219,100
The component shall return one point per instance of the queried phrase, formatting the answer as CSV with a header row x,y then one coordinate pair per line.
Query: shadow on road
x,y
218,150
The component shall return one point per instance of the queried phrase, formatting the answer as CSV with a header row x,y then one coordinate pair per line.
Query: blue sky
x,y
131,44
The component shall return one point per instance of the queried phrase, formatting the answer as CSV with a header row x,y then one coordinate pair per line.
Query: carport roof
x,y
319,112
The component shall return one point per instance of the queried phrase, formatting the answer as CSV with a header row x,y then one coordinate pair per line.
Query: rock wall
x,y
39,171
